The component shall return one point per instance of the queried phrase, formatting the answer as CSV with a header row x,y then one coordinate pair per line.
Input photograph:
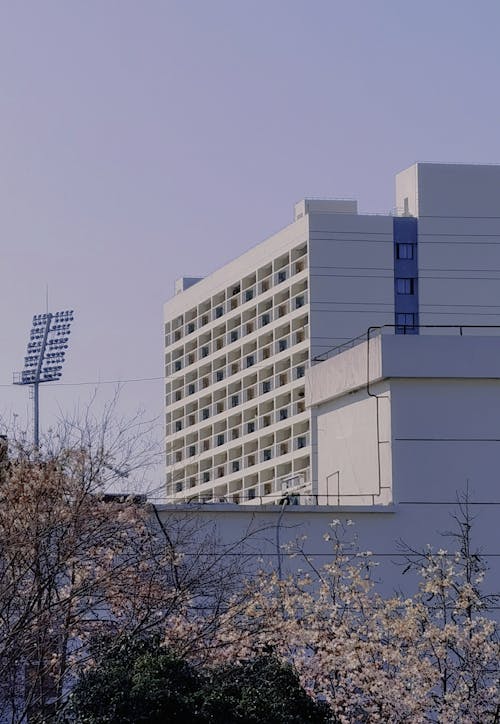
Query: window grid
x,y
236,419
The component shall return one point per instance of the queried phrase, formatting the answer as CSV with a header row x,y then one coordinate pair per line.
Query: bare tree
x,y
76,560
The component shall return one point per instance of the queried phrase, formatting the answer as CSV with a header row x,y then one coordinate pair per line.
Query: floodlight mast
x,y
44,359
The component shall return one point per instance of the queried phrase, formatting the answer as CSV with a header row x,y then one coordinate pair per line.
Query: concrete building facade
x,y
407,426
239,343
412,420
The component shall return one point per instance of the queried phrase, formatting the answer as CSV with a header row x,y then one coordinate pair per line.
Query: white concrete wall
x,y
458,210
446,436
414,424
459,270
407,356
380,530
345,372
407,188
460,191
354,443
325,206
351,277
434,356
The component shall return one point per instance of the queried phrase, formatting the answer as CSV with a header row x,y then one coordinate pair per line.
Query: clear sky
x,y
143,141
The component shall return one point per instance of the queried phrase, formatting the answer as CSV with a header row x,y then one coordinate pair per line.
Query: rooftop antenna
x,y
48,342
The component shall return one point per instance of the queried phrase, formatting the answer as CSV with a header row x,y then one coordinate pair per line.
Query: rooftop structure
x,y
407,419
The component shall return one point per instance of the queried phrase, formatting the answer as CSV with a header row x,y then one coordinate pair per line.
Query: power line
x,y
99,382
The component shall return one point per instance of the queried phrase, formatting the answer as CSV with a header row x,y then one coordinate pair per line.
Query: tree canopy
x,y
142,681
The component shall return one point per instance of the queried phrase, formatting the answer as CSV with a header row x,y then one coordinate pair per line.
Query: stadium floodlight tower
x,y
45,354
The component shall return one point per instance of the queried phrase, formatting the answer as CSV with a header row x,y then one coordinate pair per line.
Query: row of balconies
x,y
227,436
234,330
240,359
191,476
265,386
244,423
271,481
240,464
207,378
264,420
280,345
218,306
239,461
239,426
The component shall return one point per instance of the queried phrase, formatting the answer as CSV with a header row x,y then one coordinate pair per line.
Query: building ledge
x,y
273,509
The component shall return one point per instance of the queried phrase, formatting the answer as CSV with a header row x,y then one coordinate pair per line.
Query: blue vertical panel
x,y
405,235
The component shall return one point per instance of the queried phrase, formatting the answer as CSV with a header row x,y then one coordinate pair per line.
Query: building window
x,y
250,427
248,295
405,251
236,466
204,351
301,442
220,439
190,327
219,311
178,426
234,335
283,414
405,319
251,493
235,401
250,360
265,319
205,413
281,276
282,345
191,389
192,451
266,387
267,454
177,365
300,372
219,375
405,286
206,477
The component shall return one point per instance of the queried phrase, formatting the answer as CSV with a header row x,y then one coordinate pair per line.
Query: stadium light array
x,y
44,360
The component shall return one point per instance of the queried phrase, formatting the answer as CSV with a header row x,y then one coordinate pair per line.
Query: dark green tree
x,y
135,681
262,690
141,681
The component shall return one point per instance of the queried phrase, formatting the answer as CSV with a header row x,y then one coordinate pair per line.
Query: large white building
x,y
239,342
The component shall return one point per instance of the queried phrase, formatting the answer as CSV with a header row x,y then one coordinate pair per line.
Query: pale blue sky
x,y
143,141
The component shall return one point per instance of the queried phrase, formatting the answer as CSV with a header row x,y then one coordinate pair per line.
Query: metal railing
x,y
273,499
461,330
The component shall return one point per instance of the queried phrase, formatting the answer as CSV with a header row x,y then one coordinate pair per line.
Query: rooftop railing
x,y
414,329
